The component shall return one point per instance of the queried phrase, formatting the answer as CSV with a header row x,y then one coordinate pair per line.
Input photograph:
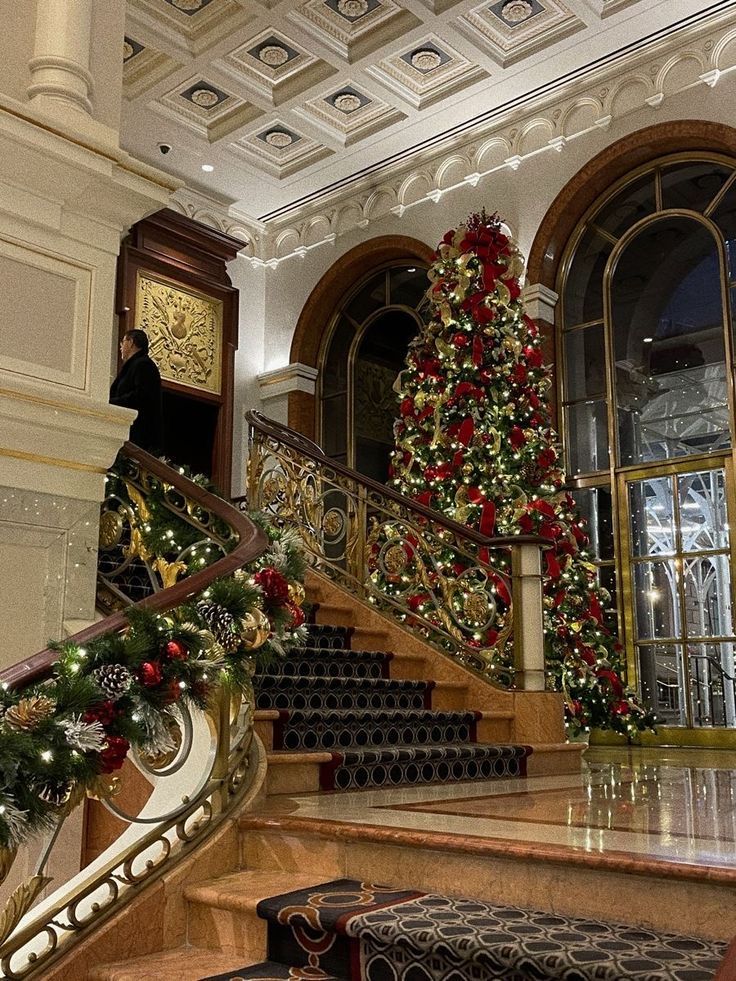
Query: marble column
x,y
60,67
68,193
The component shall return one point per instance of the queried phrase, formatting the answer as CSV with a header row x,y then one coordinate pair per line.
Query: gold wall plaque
x,y
184,330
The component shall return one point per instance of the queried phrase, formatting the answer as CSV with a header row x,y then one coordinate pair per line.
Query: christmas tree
x,y
475,443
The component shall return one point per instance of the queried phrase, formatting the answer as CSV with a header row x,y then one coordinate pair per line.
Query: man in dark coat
x,y
138,386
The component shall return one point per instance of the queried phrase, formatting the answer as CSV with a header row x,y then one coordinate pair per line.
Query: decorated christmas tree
x,y
475,442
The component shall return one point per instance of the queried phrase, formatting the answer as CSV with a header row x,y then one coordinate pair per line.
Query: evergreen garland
x,y
58,737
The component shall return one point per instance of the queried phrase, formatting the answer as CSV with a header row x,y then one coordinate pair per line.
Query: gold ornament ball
x,y
255,629
296,593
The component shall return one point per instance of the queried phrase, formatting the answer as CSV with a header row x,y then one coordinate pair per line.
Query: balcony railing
x,y
475,598
212,760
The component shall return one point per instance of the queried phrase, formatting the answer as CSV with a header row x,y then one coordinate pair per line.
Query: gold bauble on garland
x,y
296,593
255,629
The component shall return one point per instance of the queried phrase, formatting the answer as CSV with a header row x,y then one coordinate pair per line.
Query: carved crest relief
x,y
184,330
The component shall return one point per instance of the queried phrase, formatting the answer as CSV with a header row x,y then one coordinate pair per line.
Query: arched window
x,y
647,395
364,351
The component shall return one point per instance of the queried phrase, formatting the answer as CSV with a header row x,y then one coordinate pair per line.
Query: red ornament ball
x,y
150,674
274,586
460,339
113,755
176,651
297,615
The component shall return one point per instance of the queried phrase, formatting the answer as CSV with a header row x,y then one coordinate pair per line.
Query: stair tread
x,y
243,890
307,715
345,653
179,964
399,751
458,936
272,971
369,684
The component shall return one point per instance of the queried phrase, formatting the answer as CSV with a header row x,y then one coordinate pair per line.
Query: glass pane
x,y
725,217
583,294
662,682
607,579
711,684
335,374
656,600
585,363
703,523
667,319
707,592
629,206
587,437
408,286
368,299
652,517
335,425
692,185
595,505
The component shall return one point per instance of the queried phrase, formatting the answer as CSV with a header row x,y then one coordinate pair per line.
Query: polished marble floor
x,y
673,808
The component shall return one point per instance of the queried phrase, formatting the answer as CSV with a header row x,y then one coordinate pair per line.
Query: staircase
x,y
364,706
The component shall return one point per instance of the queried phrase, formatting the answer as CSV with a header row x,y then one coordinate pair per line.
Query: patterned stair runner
x,y
381,732
354,931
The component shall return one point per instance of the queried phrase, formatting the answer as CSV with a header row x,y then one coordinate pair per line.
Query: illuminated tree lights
x,y
474,441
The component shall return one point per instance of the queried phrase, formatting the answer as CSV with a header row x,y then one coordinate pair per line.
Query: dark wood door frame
x,y
191,254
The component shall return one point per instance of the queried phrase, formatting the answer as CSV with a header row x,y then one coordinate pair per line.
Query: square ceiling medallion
x,y
279,149
206,108
143,67
428,71
192,26
274,66
513,29
354,28
349,114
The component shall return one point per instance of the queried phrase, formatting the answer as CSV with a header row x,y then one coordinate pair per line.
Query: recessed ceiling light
x,y
207,168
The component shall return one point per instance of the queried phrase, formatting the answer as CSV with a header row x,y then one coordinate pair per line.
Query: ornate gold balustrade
x,y
475,598
211,760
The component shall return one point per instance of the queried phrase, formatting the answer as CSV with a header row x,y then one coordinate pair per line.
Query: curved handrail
x,y
252,542
269,427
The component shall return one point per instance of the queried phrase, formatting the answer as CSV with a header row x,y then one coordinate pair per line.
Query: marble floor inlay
x,y
675,807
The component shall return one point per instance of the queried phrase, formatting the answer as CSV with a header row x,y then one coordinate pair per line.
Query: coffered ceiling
x,y
286,99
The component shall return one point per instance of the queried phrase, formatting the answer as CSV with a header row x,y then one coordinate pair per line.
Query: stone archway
x,y
605,169
324,300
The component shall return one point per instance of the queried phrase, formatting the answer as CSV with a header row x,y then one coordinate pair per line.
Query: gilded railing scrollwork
x,y
456,587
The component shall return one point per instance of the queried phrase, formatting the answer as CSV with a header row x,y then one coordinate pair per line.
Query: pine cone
x,y
113,680
56,792
30,712
222,624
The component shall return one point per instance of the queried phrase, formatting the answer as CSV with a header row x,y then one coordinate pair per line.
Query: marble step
x,y
328,636
309,691
332,664
342,729
180,964
271,971
409,766
415,934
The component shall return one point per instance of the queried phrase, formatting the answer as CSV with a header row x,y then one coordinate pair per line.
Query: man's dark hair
x,y
139,338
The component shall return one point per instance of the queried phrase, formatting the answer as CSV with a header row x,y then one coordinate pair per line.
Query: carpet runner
x,y
348,930
381,732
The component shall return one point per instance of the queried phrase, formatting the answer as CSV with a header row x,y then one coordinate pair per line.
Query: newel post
x,y
526,573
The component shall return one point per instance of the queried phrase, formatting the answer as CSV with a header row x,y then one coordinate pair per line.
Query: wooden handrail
x,y
252,542
269,427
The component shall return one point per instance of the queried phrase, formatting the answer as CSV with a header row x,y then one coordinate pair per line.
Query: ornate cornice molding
x,y
294,377
701,55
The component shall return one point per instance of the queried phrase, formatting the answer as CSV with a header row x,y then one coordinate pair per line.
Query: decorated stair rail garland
x,y
386,549
92,699
474,442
